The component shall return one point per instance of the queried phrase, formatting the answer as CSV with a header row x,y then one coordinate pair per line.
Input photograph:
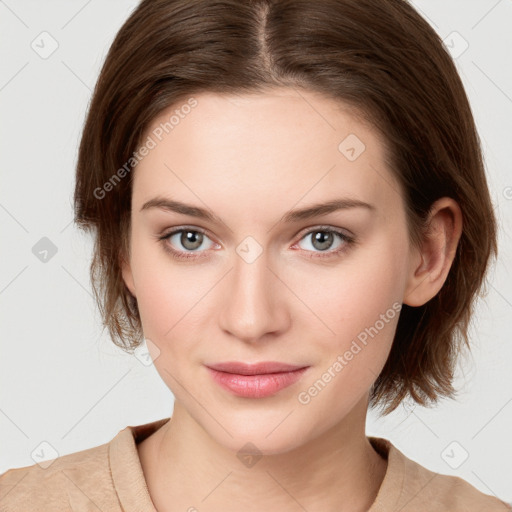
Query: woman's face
x,y
260,282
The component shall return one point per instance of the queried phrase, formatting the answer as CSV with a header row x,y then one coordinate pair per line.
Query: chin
x,y
264,437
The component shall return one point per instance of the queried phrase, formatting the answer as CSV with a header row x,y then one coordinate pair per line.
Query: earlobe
x,y
432,261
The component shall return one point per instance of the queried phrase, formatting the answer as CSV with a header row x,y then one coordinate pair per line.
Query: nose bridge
x,y
252,307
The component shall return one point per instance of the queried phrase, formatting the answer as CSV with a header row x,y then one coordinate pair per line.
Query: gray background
x,y
63,382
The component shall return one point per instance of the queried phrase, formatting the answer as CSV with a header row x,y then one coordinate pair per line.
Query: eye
x,y
187,240
323,238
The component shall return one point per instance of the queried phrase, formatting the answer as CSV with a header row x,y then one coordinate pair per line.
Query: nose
x,y
254,305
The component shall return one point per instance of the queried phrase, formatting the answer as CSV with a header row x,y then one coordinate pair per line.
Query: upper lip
x,y
253,368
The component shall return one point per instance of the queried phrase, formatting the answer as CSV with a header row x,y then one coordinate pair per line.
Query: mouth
x,y
257,380
261,368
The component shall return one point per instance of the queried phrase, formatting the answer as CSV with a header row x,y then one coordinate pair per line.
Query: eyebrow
x,y
308,212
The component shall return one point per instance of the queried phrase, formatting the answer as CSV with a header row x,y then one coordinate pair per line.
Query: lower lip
x,y
256,386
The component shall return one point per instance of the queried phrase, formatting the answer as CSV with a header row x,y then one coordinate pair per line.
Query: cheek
x,y
171,296
359,309
159,285
358,304
350,296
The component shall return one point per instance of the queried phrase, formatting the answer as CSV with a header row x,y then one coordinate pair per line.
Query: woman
x,y
291,211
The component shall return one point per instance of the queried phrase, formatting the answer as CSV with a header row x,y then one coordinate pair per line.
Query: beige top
x,y
109,478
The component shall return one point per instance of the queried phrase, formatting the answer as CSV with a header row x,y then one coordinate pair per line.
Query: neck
x,y
185,468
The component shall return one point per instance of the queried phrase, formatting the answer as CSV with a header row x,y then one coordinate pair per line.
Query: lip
x,y
257,380
261,368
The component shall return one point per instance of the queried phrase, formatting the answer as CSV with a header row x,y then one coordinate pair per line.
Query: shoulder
x,y
408,486
76,481
450,493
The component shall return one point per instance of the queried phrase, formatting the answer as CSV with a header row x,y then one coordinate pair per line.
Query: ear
x,y
126,272
432,261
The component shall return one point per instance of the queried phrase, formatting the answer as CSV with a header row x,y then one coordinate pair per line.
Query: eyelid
x,y
324,227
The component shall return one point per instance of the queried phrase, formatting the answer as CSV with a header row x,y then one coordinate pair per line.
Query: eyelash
x,y
184,256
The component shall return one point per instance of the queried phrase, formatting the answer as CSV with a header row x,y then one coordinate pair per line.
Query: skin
x,y
250,159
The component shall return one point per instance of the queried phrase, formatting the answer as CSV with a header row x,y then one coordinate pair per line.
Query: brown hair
x,y
379,57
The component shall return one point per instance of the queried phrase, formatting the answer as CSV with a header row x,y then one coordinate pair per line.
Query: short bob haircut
x,y
378,57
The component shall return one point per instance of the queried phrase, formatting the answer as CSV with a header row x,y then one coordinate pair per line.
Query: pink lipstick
x,y
257,380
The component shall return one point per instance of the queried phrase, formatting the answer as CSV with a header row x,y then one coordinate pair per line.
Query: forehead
x,y
261,149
